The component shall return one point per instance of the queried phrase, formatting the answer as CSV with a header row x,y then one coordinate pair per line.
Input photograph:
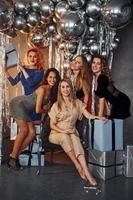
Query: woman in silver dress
x,y
21,107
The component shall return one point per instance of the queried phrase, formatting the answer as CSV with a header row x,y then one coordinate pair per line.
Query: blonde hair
x,y
40,60
72,97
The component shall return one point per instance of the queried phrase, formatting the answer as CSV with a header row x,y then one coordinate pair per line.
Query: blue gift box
x,y
106,136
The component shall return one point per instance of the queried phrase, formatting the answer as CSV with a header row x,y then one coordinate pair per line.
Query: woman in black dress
x,y
108,94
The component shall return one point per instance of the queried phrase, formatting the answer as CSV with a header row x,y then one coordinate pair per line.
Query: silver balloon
x,y
47,8
61,8
22,8
104,54
93,9
91,21
4,21
56,1
19,22
117,14
94,48
51,28
35,5
33,19
76,4
3,6
72,47
70,25
92,31
37,38
84,49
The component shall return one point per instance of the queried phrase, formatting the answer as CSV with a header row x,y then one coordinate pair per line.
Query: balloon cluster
x,y
75,26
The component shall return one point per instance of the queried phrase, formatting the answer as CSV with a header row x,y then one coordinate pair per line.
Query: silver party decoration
x,y
91,21
37,38
56,38
92,31
117,14
19,22
46,8
84,49
11,32
4,21
93,9
56,1
33,18
22,8
51,28
76,4
94,48
35,5
27,29
72,46
70,25
61,8
3,6
114,46
88,57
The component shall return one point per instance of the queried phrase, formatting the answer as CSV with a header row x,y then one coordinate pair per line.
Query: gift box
x,y
106,136
106,158
128,161
11,57
105,173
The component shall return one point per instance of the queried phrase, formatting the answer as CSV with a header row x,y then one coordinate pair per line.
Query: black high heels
x,y
13,163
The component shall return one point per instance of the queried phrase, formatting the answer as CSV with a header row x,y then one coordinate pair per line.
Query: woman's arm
x,y
41,92
13,81
54,127
86,92
101,106
90,116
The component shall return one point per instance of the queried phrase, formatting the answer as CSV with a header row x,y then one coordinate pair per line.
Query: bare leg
x,y
30,136
23,131
89,177
76,163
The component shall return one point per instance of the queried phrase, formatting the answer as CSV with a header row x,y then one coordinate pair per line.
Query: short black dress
x,y
120,102
22,106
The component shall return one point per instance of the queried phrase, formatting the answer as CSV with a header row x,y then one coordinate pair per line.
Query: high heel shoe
x,y
13,163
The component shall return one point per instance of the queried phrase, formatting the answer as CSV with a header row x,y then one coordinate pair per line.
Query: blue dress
x,y
30,84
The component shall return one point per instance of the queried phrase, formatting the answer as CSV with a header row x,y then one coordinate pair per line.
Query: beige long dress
x,y
66,119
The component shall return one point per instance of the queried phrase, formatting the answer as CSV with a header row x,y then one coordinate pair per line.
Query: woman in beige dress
x,y
63,116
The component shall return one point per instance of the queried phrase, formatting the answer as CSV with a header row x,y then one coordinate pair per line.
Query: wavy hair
x,y
104,63
40,60
72,97
54,90
83,75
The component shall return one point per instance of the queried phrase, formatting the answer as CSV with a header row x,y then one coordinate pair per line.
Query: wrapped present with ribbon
x,y
106,136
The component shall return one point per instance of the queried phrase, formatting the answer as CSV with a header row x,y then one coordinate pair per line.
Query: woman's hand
x,y
103,119
71,131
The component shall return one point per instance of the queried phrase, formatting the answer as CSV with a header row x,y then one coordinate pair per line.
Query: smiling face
x,y
65,89
96,65
77,63
32,58
51,79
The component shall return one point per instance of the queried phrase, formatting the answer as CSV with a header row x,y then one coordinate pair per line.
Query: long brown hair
x,y
72,97
40,60
105,68
83,76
